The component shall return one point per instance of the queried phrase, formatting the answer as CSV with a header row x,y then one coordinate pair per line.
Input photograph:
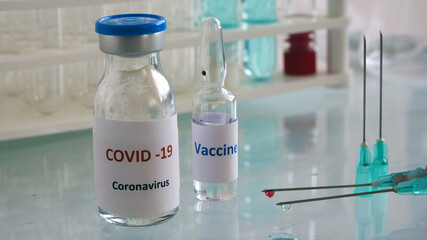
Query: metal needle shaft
x,y
381,83
317,187
364,88
334,197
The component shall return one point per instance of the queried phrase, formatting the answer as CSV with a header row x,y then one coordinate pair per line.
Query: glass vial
x,y
259,55
135,131
214,127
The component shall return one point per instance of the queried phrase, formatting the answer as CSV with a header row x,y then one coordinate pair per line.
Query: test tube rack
x,y
18,121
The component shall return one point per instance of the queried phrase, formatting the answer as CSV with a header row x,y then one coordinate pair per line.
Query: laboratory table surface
x,y
304,138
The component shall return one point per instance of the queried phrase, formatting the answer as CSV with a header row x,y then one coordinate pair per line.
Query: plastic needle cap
x,y
380,162
363,169
413,187
212,53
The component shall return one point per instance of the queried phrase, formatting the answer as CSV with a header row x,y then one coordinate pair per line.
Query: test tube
x,y
225,10
259,55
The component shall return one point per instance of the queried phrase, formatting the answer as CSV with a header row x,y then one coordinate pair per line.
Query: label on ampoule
x,y
215,152
136,166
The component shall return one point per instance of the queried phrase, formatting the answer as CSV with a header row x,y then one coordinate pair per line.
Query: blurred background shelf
x,y
10,5
173,40
55,47
73,116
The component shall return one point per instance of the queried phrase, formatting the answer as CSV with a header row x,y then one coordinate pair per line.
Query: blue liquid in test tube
x,y
259,55
224,10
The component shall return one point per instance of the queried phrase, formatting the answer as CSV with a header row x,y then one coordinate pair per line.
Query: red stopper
x,y
269,194
300,57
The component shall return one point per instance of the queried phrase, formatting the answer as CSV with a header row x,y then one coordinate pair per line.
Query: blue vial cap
x,y
133,24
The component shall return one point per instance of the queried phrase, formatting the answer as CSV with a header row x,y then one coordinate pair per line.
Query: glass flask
x,y
135,131
259,55
214,125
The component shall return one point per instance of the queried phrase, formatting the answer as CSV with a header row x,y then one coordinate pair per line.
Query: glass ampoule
x,y
214,127
135,131
227,12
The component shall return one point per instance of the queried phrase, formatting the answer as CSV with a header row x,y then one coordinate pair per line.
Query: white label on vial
x,y
215,152
136,166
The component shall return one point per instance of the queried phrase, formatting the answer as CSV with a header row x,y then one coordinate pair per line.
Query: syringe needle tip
x,y
364,87
381,84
